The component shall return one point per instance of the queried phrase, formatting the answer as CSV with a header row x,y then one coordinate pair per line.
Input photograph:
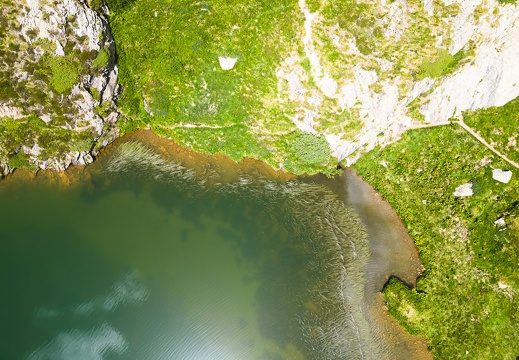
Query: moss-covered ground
x,y
168,55
466,303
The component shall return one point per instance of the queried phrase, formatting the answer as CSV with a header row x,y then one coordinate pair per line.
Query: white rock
x,y
307,124
227,63
328,86
112,87
35,150
491,78
147,107
10,111
60,22
60,51
50,21
502,285
336,148
500,222
503,176
295,87
464,190
348,96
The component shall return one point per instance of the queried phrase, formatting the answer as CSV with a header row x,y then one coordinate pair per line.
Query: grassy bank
x,y
466,303
168,55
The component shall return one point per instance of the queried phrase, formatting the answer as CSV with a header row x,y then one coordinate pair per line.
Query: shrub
x,y
65,73
101,61
21,161
311,149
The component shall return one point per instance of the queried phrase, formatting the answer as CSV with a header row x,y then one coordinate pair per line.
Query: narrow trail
x,y
195,126
487,145
472,132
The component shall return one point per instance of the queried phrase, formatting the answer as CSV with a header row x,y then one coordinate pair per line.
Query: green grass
x,y
65,71
102,58
168,59
444,64
458,304
498,126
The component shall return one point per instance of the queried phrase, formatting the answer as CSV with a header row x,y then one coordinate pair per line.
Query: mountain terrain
x,y
419,96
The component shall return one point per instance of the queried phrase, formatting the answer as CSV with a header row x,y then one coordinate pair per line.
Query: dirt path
x,y
490,147
471,132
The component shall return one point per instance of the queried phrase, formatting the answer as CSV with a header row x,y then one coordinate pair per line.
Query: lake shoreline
x,y
392,253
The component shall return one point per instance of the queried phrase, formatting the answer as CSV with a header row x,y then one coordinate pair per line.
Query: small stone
x,y
464,190
60,51
227,63
500,222
503,176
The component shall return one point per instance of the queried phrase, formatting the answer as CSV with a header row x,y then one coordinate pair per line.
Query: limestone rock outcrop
x,y
63,74
464,58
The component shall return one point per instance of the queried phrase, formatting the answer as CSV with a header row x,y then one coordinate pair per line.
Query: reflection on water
x,y
75,344
127,290
149,258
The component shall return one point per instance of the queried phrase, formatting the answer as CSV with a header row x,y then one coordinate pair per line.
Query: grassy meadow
x,y
465,304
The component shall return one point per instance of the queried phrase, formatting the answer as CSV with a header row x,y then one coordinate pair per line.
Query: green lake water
x,y
145,259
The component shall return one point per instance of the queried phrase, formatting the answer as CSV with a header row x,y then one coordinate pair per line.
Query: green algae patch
x,y
465,304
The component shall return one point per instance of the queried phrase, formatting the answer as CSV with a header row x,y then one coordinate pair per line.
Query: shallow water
x,y
147,256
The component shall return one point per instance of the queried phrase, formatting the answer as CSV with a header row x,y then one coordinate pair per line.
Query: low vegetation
x,y
52,140
465,304
443,64
499,126
169,67
311,149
